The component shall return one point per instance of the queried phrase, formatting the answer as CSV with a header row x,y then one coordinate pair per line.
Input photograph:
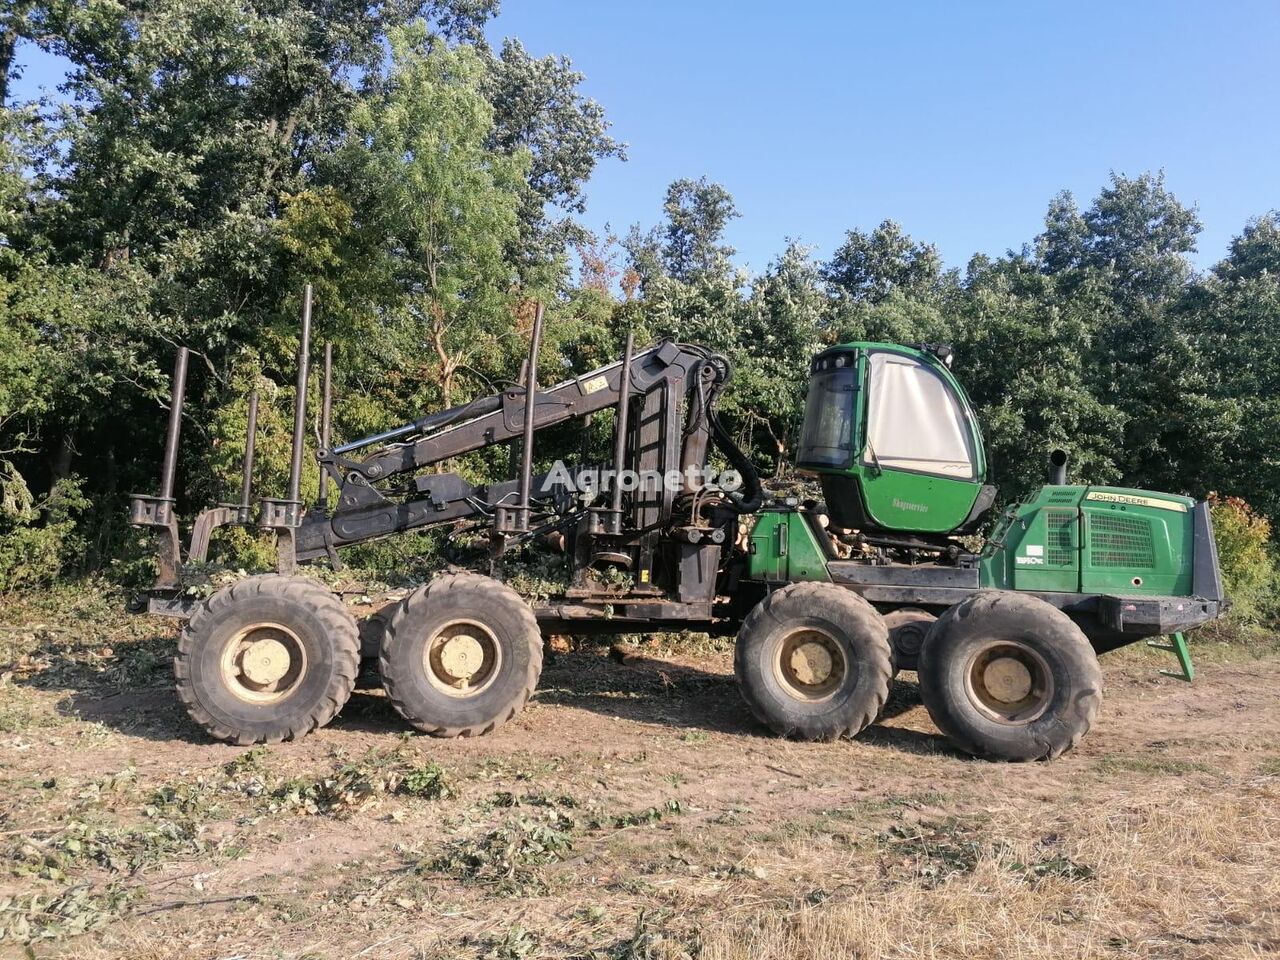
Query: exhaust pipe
x,y
1058,468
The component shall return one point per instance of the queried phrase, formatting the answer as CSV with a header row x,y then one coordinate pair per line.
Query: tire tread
x,y
456,586
340,628
767,609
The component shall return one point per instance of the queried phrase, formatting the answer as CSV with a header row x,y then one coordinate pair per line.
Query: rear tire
x,y
813,662
266,659
461,656
1007,676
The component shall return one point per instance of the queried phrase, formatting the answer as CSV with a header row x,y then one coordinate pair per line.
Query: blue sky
x,y
959,120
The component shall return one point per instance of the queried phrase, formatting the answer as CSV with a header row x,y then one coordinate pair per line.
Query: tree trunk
x,y
10,33
8,42
60,469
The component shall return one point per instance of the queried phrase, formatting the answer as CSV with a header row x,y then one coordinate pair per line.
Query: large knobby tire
x,y
266,659
1007,676
461,656
813,662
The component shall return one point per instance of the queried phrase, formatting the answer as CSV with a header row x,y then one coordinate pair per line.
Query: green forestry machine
x,y
828,599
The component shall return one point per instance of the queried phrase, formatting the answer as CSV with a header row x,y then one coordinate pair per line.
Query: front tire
x,y
1007,676
461,656
266,659
813,662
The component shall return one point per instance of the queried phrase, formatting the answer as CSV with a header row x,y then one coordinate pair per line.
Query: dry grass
x,y
1155,877
634,811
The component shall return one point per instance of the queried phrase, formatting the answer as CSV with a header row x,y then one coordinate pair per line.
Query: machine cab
x,y
893,440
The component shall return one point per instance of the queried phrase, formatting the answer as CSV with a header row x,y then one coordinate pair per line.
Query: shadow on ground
x,y
130,690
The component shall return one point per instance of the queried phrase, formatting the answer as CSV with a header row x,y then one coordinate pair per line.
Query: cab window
x,y
915,421
826,438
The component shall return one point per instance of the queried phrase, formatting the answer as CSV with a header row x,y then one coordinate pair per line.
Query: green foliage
x,y
509,855
1246,558
356,786
38,538
869,267
212,157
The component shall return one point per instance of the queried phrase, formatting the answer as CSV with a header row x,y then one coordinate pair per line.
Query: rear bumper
x,y
1155,616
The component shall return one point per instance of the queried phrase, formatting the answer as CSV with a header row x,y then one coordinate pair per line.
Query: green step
x,y
1177,645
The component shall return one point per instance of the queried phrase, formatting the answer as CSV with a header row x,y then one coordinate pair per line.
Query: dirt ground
x,y
634,810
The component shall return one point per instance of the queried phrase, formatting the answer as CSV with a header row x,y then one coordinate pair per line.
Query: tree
x,y
697,213
1128,252
1231,326
1023,351
444,202
868,267
1135,230
539,110
777,336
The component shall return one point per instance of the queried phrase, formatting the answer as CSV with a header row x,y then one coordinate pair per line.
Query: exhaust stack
x,y
1058,468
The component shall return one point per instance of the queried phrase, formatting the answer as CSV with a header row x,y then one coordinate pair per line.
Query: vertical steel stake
x,y
530,403
250,443
326,407
179,389
300,398
620,440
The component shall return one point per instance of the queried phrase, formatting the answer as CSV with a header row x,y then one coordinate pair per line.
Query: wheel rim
x,y
263,663
462,658
810,664
1009,682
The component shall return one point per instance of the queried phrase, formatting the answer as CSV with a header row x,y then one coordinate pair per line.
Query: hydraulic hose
x,y
753,492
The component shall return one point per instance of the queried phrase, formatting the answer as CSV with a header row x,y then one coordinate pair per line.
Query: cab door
x,y
921,466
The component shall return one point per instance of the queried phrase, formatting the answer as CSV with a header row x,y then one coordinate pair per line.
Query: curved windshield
x,y
915,421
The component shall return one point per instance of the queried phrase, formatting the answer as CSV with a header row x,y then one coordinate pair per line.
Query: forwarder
x,y
828,599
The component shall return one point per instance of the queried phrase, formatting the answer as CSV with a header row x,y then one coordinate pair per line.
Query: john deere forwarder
x,y
828,599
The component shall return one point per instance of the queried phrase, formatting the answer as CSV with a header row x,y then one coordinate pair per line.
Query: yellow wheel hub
x,y
811,663
265,662
461,657
1008,680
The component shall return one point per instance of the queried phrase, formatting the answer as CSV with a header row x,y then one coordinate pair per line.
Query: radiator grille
x,y
1120,541
1060,549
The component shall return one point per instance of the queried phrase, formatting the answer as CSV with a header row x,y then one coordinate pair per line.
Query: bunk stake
x,y
530,408
326,407
284,516
250,442
620,438
179,391
300,398
157,512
